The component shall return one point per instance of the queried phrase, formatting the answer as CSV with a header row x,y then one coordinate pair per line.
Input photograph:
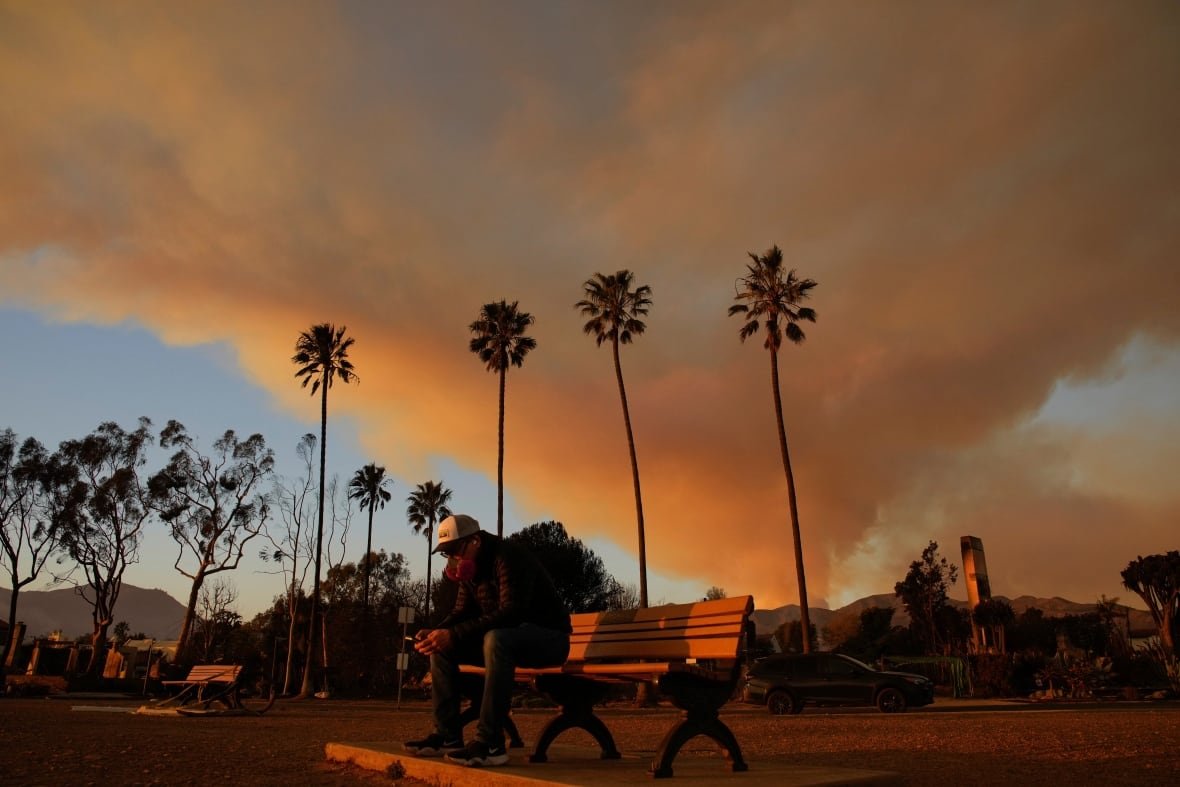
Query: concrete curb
x,y
580,765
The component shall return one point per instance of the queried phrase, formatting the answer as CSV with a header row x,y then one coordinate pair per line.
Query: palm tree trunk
x,y
292,609
500,464
368,563
645,693
804,613
324,650
634,478
307,690
429,536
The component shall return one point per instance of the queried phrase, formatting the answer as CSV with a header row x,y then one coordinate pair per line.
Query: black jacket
x,y
510,587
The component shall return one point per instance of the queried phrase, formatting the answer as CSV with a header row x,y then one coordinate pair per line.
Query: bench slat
x,y
209,673
630,672
680,626
667,612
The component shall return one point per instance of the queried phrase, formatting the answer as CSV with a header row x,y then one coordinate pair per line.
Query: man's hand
x,y
433,641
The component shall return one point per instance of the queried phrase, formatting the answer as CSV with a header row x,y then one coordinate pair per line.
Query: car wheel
x,y
890,701
783,702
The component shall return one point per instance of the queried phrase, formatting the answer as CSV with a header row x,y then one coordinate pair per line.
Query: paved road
x,y
954,742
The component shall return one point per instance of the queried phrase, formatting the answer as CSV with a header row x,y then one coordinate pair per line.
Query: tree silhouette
x,y
768,297
924,594
1156,580
38,493
579,575
500,342
104,538
369,487
614,309
211,505
321,355
428,506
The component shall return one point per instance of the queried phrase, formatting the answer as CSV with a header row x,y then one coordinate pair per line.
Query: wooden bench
x,y
206,684
691,652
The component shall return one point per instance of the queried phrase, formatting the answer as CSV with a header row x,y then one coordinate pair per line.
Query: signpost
x,y
405,616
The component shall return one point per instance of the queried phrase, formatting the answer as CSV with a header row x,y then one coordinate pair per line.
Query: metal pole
x,y
401,660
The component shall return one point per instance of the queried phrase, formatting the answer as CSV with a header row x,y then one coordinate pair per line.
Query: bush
x,y
1022,678
991,675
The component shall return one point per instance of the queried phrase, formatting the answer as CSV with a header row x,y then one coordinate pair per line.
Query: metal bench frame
x,y
690,652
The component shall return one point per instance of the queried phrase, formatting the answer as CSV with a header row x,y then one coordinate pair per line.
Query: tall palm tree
x,y
614,309
769,297
500,342
369,487
428,506
321,355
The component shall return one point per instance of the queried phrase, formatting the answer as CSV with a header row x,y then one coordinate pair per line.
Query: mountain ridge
x,y
150,611
767,620
159,615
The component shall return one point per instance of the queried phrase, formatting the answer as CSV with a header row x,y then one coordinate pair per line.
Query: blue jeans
x,y
503,651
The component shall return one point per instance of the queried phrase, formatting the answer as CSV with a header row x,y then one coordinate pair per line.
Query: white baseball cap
x,y
455,528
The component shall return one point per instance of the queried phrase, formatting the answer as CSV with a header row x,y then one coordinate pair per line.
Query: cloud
x,y
987,197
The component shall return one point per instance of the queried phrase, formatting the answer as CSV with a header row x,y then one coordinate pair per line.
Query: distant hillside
x,y
153,612
158,615
767,620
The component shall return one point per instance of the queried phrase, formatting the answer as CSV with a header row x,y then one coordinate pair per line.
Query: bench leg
x,y
577,697
700,701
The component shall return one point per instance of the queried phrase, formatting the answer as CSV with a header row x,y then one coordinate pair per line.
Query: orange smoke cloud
x,y
985,222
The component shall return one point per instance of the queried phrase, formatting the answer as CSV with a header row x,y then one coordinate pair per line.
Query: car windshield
x,y
860,663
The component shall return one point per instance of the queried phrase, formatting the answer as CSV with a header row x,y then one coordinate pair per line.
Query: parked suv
x,y
784,682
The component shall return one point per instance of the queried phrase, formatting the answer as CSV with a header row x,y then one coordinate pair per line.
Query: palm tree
x,y
428,506
614,309
368,486
322,356
500,342
769,298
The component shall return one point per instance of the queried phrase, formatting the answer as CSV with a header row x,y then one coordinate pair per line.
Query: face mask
x,y
462,570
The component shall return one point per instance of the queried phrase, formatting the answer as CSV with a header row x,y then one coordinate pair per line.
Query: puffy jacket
x,y
510,587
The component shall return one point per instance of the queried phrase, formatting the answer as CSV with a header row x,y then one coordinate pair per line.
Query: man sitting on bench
x,y
507,614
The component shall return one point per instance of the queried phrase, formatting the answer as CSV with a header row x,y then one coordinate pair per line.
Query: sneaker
x,y
478,753
432,746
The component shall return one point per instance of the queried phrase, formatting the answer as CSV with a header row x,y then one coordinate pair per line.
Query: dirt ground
x,y
95,740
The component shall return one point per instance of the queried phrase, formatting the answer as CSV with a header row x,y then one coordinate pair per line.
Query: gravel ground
x,y
94,740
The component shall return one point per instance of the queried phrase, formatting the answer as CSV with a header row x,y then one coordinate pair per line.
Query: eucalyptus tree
x,y
37,494
341,511
292,540
579,575
213,506
1156,580
105,536
370,488
614,310
429,504
321,355
923,593
500,342
770,297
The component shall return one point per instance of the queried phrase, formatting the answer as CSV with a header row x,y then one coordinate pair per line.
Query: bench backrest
x,y
214,673
673,632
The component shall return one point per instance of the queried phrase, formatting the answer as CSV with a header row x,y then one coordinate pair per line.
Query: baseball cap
x,y
455,528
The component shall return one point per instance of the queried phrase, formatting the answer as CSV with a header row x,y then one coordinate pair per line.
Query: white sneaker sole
x,y
427,752
480,762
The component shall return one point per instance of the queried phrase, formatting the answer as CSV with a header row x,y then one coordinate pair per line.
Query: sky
x,y
988,196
